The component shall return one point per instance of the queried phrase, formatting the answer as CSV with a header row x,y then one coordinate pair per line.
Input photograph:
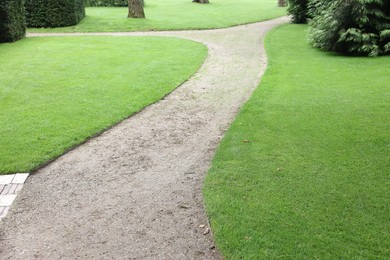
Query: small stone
x,y
201,226
206,231
184,206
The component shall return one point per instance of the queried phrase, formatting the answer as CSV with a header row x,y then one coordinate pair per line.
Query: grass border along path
x,y
303,172
175,15
54,95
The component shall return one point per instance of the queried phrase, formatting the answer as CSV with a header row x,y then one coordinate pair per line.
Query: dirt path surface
x,y
135,191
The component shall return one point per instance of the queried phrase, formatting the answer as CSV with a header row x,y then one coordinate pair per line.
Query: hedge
x,y
12,22
54,13
107,3
119,3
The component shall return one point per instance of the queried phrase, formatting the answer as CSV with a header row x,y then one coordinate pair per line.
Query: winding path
x,y
135,191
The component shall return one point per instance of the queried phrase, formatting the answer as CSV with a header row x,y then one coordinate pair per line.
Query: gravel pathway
x,y
134,192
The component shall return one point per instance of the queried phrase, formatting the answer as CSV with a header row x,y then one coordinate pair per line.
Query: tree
x,y
201,1
12,21
136,9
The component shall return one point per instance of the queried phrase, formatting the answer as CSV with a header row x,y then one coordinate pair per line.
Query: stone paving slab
x,y
20,178
10,186
6,179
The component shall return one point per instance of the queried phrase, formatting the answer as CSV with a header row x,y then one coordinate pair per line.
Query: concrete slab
x,y
20,178
6,179
6,200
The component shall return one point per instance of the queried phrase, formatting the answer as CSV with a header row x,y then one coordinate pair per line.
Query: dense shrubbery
x,y
359,27
354,27
106,2
298,9
54,13
12,21
119,3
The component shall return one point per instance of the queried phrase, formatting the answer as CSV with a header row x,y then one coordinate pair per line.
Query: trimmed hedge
x,y
12,21
108,3
54,13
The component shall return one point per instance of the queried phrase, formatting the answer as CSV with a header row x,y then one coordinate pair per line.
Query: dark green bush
x,y
315,7
12,22
114,3
54,13
119,3
298,9
353,27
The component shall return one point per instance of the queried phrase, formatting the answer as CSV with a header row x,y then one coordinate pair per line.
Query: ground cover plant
x,y
303,172
57,92
176,15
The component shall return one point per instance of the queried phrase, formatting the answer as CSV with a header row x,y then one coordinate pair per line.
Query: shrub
x,y
299,10
12,22
354,27
119,3
114,3
54,13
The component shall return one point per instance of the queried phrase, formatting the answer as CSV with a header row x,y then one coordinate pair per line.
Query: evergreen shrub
x,y
12,21
353,27
298,9
108,3
54,13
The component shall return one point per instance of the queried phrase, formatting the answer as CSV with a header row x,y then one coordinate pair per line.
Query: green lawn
x,y
303,172
57,92
176,15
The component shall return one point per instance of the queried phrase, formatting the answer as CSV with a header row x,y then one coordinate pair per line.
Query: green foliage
x,y
54,13
312,182
12,21
299,10
108,3
55,92
355,27
315,7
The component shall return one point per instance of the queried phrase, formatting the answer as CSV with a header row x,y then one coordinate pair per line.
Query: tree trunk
x,y
136,9
282,3
201,1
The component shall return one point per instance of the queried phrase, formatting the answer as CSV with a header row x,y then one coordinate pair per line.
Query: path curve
x,y
135,191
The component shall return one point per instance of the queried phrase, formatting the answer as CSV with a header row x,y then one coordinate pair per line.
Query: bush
x,y
354,27
114,3
12,22
299,10
54,13
119,3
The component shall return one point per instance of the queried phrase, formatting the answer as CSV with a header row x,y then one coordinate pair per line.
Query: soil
x,y
135,192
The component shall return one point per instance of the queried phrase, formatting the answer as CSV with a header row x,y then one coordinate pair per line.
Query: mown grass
x,y
57,92
303,172
176,15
